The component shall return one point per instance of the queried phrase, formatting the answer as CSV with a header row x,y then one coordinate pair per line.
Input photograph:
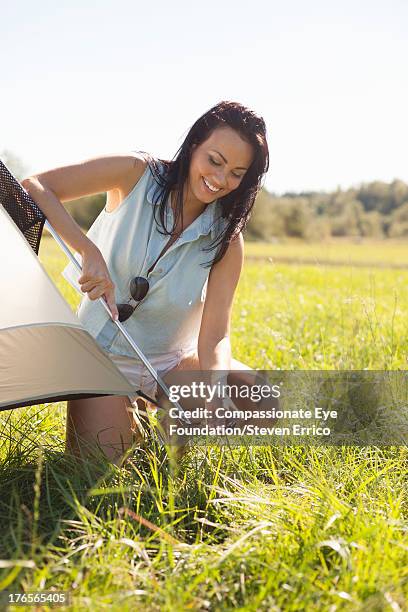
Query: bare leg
x,y
107,422
103,422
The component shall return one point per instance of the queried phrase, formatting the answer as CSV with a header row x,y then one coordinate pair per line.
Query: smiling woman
x,y
225,154
225,179
161,219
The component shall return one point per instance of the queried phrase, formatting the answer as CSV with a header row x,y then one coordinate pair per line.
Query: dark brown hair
x,y
236,206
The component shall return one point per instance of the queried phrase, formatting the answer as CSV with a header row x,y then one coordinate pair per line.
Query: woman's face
x,y
218,165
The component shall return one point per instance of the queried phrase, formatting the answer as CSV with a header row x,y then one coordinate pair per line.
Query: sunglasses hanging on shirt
x,y
139,286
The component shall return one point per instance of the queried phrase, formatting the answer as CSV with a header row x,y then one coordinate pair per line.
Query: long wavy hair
x,y
237,205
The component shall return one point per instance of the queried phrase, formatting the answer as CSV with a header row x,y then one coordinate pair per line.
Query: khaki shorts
x,y
139,376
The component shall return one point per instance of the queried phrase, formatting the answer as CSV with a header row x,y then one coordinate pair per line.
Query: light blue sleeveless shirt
x,y
169,317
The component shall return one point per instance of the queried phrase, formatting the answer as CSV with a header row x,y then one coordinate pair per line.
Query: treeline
x,y
376,210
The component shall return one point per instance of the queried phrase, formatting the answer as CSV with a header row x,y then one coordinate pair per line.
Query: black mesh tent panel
x,y
21,207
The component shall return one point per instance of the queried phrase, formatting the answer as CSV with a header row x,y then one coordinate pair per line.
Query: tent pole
x,y
118,324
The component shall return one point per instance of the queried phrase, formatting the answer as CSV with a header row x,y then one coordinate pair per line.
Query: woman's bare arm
x,y
49,189
214,348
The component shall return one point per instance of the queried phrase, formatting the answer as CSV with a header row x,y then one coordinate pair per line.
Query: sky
x,y
83,78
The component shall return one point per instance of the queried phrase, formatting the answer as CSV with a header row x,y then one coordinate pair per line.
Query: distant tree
x,y
339,201
399,192
399,222
319,228
349,219
266,221
297,215
369,210
372,224
377,196
319,203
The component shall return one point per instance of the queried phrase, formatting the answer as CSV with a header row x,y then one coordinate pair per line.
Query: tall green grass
x,y
250,528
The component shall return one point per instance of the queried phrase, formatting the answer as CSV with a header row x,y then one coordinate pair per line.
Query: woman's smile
x,y
210,187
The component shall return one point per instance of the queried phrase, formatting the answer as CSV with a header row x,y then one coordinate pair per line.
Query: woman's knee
x,y
104,422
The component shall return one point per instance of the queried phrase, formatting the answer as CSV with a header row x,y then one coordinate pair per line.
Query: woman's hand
x,y
96,280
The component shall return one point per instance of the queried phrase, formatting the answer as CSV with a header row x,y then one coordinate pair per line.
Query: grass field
x,y
249,528
389,253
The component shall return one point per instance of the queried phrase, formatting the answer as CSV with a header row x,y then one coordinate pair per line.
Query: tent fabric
x,y
41,363
45,353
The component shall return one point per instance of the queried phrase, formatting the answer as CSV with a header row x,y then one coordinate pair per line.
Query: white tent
x,y
45,353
